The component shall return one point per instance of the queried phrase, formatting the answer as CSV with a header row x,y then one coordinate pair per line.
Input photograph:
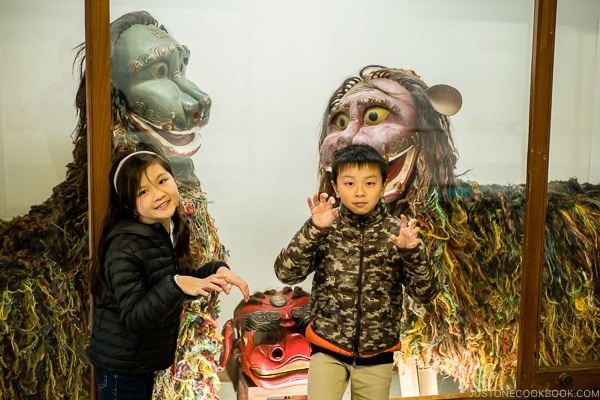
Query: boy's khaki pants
x,y
328,378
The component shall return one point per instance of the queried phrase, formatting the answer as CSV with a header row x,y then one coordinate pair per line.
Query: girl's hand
x,y
233,279
201,286
321,209
407,238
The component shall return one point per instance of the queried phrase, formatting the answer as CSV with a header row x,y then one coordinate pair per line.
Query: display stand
x,y
416,381
427,382
409,378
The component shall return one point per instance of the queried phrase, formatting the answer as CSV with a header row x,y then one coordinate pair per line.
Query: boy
x,y
362,257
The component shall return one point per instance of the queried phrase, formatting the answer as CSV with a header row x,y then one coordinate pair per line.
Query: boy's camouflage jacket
x,y
356,300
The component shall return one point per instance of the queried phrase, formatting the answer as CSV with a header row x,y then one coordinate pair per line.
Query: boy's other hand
x,y
408,237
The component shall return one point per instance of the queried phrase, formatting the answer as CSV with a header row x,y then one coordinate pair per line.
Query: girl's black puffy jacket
x,y
136,319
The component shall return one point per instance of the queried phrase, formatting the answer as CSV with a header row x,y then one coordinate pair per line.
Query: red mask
x,y
268,333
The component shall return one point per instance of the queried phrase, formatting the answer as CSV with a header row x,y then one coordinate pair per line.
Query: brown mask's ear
x,y
445,99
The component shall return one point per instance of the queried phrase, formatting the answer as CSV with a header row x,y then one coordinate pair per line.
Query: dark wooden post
x,y
540,105
97,80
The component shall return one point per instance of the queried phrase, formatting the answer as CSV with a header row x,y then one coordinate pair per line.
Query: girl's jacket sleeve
x,y
141,307
419,279
298,260
208,269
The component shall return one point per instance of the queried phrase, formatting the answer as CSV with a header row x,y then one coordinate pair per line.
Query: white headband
x,y
127,157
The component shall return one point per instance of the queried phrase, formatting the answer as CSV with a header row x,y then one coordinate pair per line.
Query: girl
x,y
141,276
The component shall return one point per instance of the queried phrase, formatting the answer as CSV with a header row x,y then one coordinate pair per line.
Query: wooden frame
x,y
97,76
529,376
97,80
536,187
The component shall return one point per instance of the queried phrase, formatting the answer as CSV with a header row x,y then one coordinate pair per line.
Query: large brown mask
x,y
148,68
382,114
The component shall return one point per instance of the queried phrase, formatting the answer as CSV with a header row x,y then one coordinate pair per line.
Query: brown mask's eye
x,y
160,70
375,115
341,121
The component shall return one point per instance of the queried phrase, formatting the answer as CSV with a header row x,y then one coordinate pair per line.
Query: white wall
x,y
270,67
575,135
37,96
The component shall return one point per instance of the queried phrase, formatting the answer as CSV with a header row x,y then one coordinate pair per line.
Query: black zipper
x,y
359,293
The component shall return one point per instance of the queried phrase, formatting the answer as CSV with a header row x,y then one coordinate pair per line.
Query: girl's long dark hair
x,y
123,204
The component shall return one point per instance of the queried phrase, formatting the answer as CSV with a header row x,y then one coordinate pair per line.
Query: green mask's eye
x,y
160,70
341,121
375,115
182,65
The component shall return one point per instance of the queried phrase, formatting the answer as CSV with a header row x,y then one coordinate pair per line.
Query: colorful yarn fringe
x,y
44,313
475,237
43,305
194,373
571,303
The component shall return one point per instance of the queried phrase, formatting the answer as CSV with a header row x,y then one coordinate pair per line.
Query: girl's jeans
x,y
124,387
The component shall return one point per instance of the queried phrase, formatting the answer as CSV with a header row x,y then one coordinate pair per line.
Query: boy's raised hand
x,y
322,210
407,238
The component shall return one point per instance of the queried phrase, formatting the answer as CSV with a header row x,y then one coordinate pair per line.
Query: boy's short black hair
x,y
359,155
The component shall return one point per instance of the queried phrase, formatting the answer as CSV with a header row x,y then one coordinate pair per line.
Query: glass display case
x,y
567,350
37,91
514,245
488,53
